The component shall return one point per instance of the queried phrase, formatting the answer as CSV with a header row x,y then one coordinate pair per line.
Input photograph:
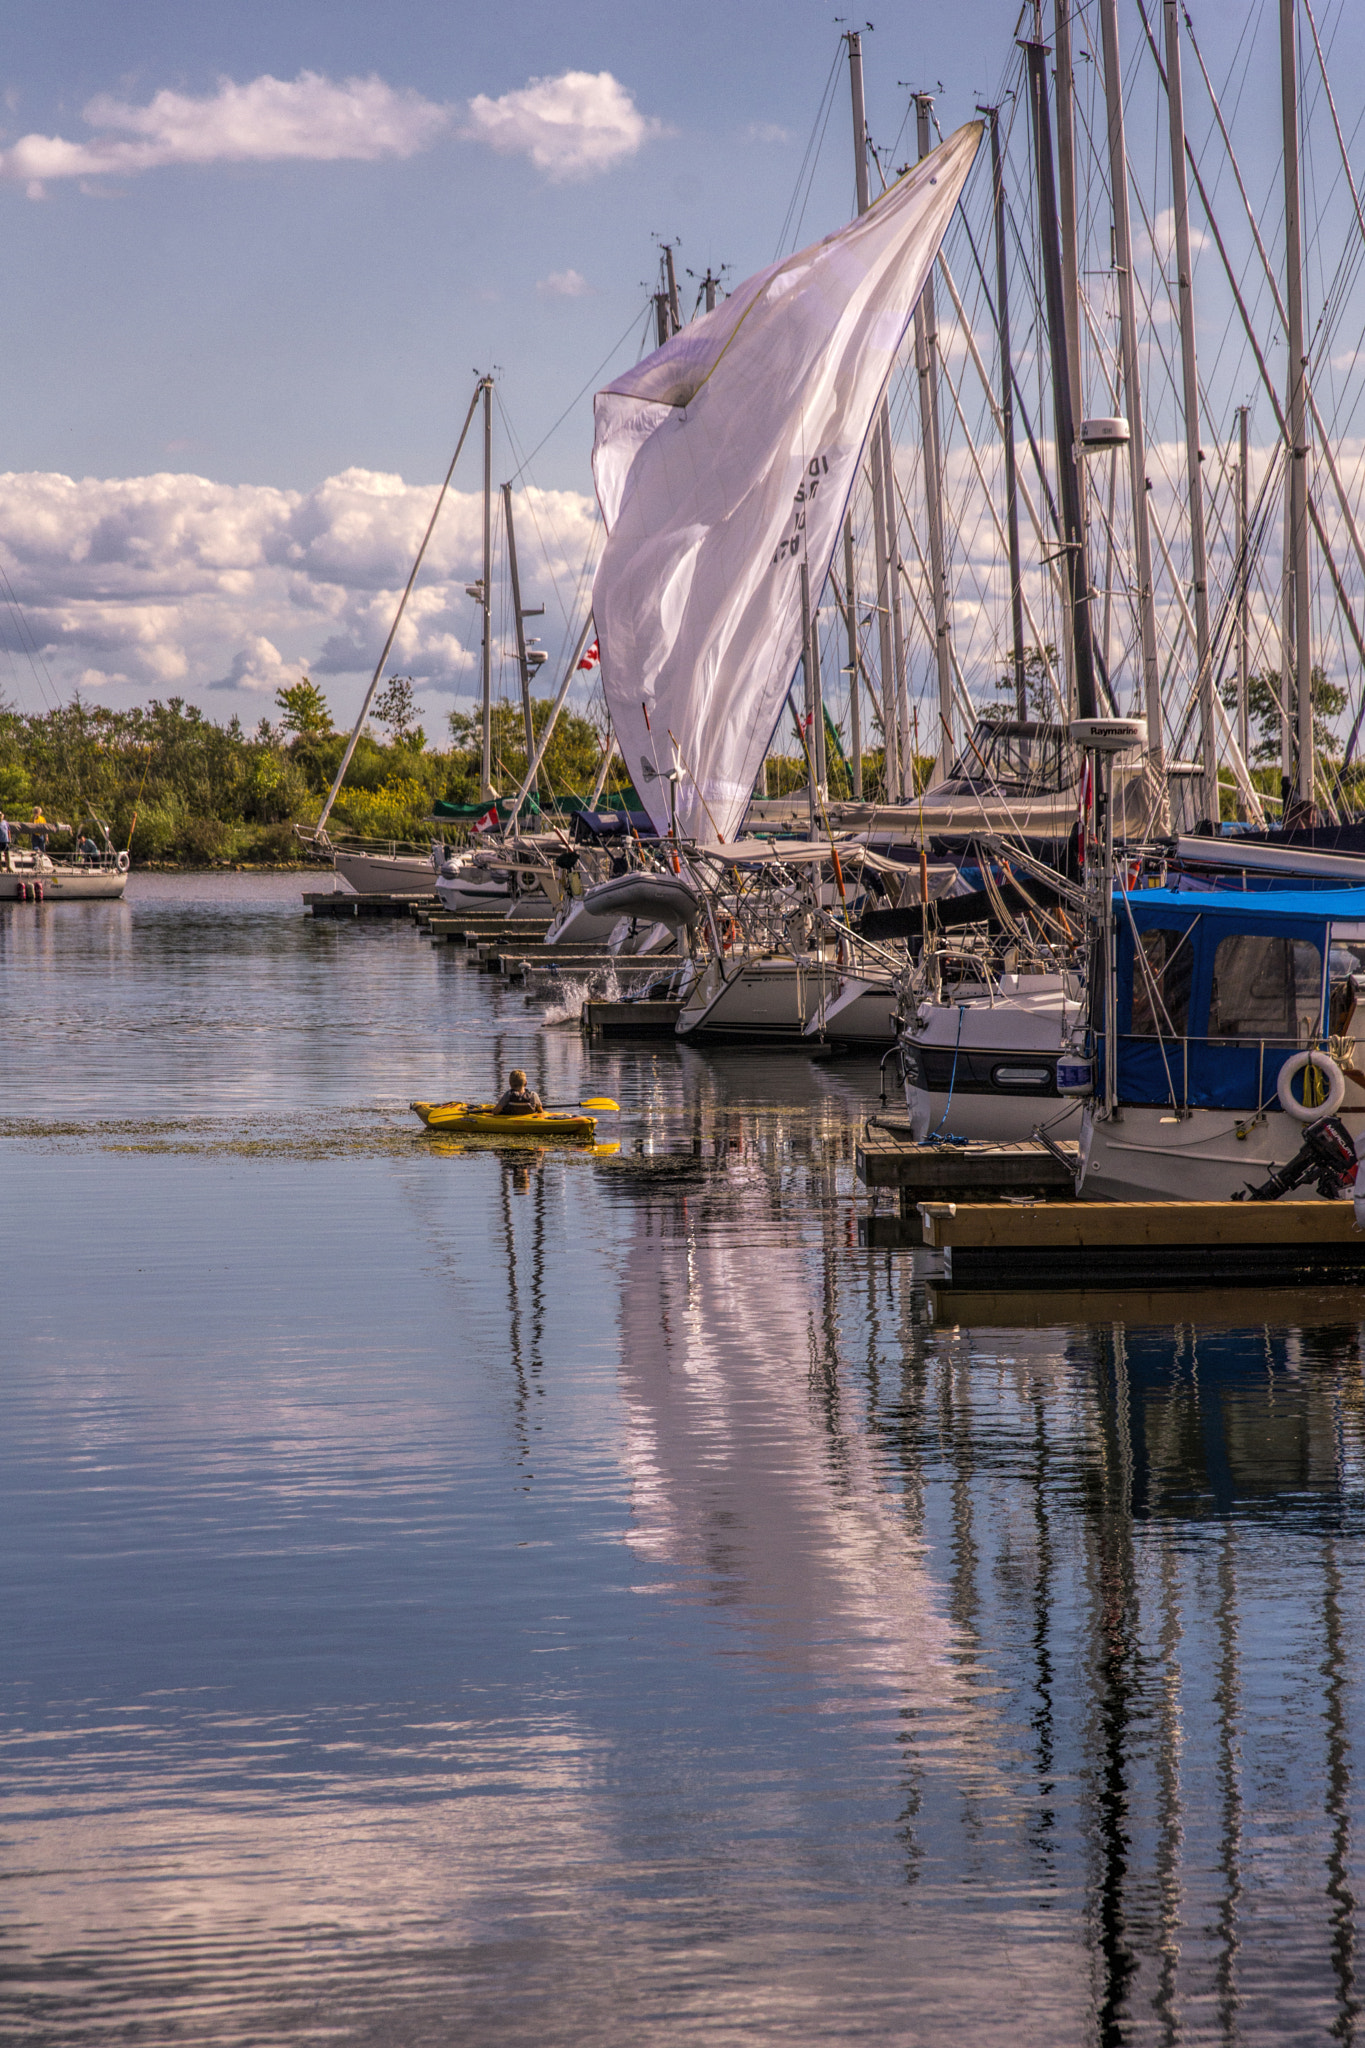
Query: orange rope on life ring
x,y
729,934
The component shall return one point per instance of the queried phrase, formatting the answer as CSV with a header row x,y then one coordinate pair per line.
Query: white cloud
x,y
768,131
570,126
266,120
175,582
1161,241
564,284
258,665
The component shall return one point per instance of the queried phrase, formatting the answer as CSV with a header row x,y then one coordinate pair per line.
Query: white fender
x,y
1302,1112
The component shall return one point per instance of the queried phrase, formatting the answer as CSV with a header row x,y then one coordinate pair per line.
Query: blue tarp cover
x,y
1220,1073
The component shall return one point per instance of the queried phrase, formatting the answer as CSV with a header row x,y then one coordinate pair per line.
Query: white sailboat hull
x,y
986,1068
767,1000
29,878
1149,1154
386,874
859,1011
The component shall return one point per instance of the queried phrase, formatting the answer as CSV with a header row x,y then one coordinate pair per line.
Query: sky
x,y
256,256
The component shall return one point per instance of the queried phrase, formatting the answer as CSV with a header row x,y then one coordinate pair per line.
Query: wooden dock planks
x,y
1159,1244
888,1157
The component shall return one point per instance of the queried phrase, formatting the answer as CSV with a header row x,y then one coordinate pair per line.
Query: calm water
x,y
446,1598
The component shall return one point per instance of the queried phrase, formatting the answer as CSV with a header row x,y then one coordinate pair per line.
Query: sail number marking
x,y
789,547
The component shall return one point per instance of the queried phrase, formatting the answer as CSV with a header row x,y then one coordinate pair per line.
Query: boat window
x,y
1162,973
1346,979
1016,758
1266,988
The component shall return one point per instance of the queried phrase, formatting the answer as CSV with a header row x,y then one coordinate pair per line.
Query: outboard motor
x,y
1327,1156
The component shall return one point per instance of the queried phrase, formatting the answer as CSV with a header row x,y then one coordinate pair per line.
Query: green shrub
x,y
399,810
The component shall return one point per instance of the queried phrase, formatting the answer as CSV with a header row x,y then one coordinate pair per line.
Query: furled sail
x,y
721,460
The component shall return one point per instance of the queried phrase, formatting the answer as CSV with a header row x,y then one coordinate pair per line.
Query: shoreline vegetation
x,y
181,791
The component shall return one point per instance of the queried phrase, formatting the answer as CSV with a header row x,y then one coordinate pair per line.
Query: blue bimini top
x,y
1216,990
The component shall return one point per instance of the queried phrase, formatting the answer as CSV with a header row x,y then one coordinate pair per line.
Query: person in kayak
x,y
518,1099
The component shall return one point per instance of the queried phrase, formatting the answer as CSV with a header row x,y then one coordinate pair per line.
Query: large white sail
x,y
719,461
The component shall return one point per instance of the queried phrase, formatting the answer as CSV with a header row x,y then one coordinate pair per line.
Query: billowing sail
x,y
720,461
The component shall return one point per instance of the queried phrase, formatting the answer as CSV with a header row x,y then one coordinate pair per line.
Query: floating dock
x,y
632,1020
339,903
1143,1244
889,1157
467,928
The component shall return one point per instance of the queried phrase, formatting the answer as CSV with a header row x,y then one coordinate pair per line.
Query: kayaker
x,y
518,1099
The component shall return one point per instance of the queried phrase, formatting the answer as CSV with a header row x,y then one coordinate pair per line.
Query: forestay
x,y
720,462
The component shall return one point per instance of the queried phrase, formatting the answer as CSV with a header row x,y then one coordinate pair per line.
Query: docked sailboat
x,y
34,876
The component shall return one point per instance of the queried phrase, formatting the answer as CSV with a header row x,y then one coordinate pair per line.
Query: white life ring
x,y
1309,1113
123,863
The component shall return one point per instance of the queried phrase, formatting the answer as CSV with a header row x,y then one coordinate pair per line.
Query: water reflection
x,y
460,1592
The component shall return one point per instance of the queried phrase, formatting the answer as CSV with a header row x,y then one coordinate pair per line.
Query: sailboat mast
x,y
1073,535
671,289
1066,209
1298,437
879,444
1243,585
1132,383
1007,419
855,702
487,593
926,362
1193,458
521,616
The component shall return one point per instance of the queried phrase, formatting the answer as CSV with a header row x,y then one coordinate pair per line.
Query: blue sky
x,y
186,299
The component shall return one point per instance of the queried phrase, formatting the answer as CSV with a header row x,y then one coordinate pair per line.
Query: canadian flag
x,y
590,657
488,822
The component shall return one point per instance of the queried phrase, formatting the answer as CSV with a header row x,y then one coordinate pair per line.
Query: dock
x,y
1143,1244
340,903
888,1156
466,928
632,1020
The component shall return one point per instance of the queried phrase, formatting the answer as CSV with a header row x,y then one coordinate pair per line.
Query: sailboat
x,y
475,880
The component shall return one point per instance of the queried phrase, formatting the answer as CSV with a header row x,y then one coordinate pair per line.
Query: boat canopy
x,y
1215,992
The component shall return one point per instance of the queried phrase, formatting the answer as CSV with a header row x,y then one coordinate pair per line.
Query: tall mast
x,y
1007,420
521,615
671,291
1208,751
1298,372
1066,203
1073,534
810,694
486,387
926,362
1243,585
880,442
1132,383
855,705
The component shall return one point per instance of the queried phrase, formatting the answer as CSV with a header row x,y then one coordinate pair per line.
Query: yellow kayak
x,y
480,1119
